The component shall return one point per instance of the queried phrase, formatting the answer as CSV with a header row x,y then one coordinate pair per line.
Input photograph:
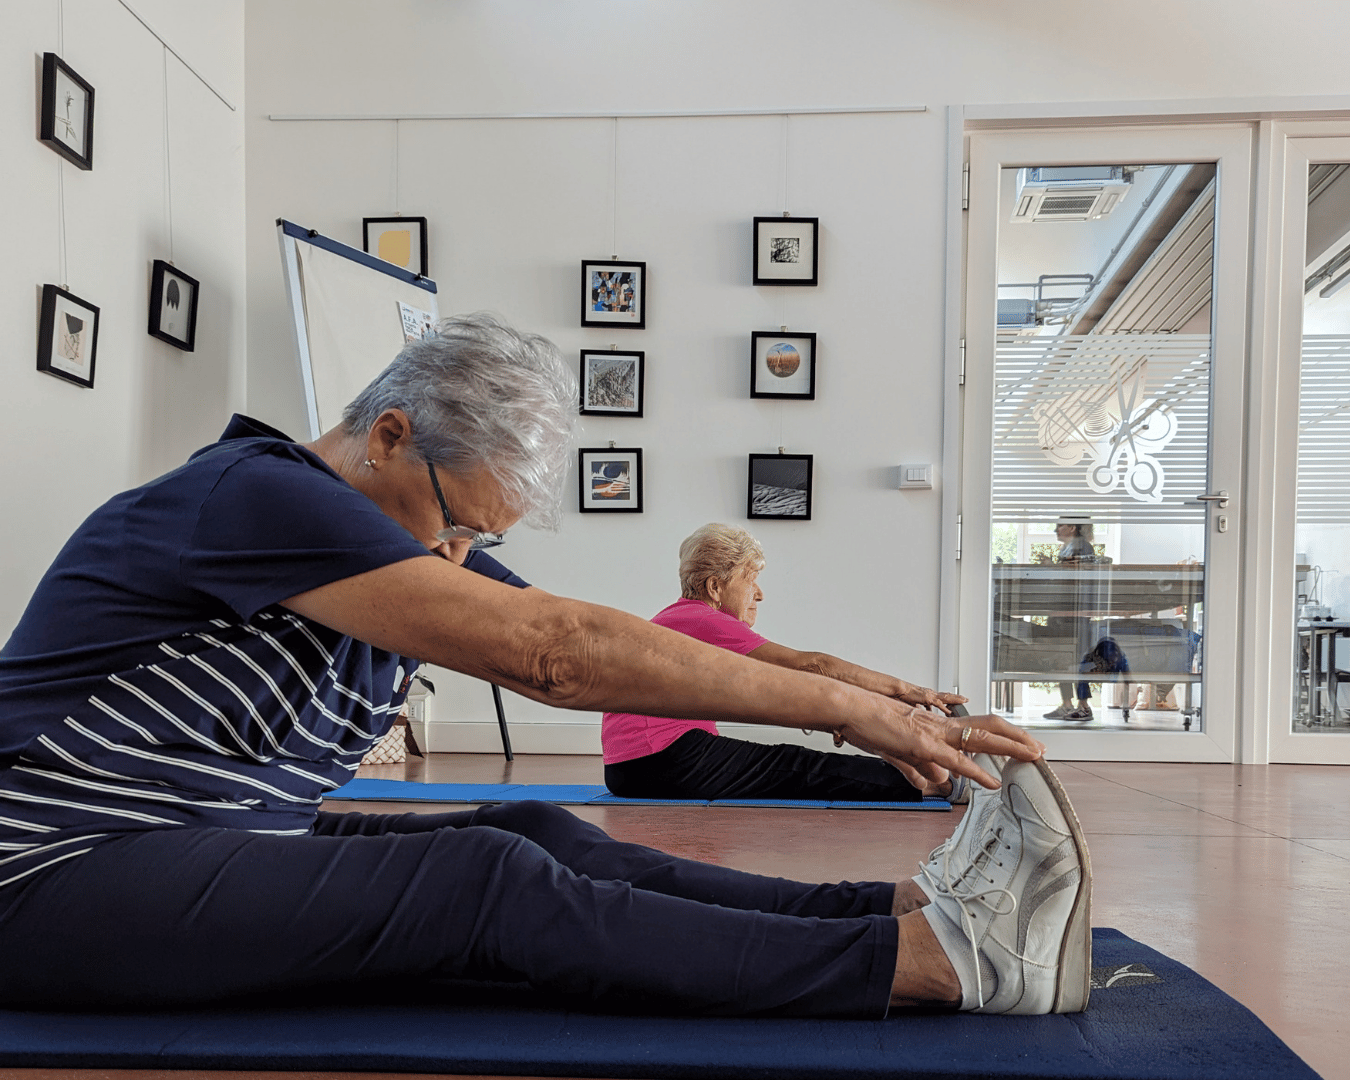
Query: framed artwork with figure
x,y
67,336
67,123
173,306
610,480
783,365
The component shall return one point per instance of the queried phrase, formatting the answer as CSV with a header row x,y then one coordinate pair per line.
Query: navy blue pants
x,y
699,765
522,892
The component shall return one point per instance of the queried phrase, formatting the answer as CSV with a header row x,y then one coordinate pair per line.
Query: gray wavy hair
x,y
719,552
481,394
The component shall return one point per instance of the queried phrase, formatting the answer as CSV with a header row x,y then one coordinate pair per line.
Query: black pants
x,y
523,892
699,765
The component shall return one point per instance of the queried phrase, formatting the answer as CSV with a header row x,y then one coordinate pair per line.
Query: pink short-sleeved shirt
x,y
625,736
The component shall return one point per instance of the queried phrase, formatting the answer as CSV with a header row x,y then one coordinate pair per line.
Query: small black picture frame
x,y
614,294
779,487
67,121
609,480
399,240
787,251
612,382
783,366
173,305
67,336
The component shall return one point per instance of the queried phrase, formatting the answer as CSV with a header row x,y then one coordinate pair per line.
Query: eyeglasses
x,y
477,540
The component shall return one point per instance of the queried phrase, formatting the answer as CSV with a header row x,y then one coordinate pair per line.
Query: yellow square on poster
x,y
395,246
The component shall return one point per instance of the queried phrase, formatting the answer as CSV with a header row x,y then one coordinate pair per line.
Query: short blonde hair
x,y
718,552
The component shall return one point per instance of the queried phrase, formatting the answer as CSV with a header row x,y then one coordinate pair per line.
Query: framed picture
x,y
173,306
614,294
612,382
787,251
398,240
610,480
780,486
67,124
783,365
67,336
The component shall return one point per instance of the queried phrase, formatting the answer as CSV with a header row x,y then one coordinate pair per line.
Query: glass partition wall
x,y
1321,702
1101,445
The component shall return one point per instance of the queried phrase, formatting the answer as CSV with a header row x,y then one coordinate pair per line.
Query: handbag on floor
x,y
394,746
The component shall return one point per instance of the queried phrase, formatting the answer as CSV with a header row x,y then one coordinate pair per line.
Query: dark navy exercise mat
x,y
1150,1018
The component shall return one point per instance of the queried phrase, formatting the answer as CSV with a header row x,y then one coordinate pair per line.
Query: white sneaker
x,y
1012,908
983,803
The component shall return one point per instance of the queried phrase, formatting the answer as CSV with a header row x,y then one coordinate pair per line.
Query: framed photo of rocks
x,y
612,382
780,486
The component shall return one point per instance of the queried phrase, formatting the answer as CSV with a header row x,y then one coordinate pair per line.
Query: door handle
x,y
1220,497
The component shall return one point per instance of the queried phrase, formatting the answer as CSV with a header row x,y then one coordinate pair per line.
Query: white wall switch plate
x,y
916,476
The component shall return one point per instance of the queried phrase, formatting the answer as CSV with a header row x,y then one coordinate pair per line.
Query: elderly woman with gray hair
x,y
657,757
214,650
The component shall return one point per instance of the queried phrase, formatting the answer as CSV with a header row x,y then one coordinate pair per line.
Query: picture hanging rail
x,y
610,480
787,251
614,293
67,336
67,123
398,240
783,365
612,382
173,305
779,486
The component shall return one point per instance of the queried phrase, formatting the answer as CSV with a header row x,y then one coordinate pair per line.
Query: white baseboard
x,y
471,737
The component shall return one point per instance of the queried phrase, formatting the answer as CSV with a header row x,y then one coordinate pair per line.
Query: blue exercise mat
x,y
1150,1018
579,795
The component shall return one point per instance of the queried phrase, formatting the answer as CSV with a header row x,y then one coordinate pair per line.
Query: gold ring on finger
x,y
965,737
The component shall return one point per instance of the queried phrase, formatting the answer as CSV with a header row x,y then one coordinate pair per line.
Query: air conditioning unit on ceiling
x,y
1069,192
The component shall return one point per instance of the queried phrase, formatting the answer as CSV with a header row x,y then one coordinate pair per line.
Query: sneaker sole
x,y
1075,952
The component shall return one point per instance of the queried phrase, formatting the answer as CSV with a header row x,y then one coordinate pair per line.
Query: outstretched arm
x,y
576,655
832,667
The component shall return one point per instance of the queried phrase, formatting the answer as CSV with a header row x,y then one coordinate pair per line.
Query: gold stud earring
x,y
370,463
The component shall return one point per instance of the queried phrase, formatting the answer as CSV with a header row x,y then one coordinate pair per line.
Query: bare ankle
x,y
908,897
923,974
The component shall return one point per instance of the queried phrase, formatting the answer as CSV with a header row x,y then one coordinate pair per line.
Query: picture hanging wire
x,y
787,119
61,221
176,54
60,164
398,205
614,191
168,164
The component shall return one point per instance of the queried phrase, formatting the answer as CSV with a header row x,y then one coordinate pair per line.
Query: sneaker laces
x,y
963,891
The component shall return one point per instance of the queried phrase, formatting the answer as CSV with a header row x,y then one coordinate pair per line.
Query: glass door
x,y
1315,355
1101,453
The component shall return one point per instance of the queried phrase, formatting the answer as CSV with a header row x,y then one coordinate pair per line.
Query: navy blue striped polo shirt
x,y
154,681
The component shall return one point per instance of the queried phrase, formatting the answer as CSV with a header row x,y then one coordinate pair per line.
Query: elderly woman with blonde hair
x,y
658,757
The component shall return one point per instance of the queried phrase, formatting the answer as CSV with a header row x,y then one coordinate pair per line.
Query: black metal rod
x,y
501,722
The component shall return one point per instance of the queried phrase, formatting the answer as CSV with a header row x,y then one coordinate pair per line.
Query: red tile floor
x,y
1239,871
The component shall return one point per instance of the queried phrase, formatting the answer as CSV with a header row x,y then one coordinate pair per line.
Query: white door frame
x,y
1293,147
1231,145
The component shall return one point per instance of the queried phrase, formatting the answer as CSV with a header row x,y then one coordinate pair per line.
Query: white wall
x,y
515,205
65,448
